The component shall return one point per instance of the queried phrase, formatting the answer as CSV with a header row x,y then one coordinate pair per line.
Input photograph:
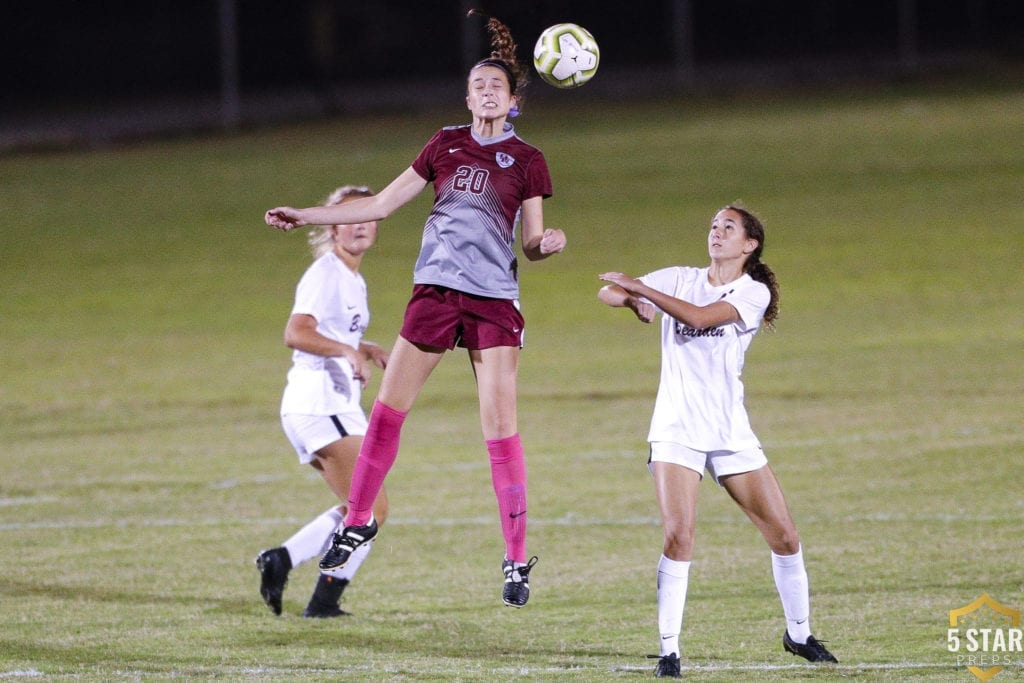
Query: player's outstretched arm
x,y
378,207
698,317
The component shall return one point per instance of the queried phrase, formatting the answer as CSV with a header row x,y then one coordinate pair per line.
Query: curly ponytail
x,y
503,54
755,268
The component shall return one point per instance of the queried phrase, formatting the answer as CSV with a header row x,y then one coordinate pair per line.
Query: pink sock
x,y
508,473
376,456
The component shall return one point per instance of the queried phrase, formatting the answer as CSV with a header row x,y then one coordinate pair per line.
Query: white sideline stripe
x,y
567,521
896,666
27,500
527,670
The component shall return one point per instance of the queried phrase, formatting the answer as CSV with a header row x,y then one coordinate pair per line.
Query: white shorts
x,y
310,433
718,463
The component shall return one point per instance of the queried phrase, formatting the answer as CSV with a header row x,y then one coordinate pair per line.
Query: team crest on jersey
x,y
504,160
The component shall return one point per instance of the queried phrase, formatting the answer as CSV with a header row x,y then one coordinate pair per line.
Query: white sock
x,y
673,578
311,540
348,572
791,582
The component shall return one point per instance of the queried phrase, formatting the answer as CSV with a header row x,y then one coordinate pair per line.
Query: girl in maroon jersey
x,y
466,290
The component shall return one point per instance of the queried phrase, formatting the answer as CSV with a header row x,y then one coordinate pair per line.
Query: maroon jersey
x,y
479,187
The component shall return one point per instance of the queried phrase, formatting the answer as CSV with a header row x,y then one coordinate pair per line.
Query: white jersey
x,y
336,297
700,396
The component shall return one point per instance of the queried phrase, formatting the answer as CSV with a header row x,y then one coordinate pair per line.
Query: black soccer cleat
x,y
326,598
323,611
668,666
517,582
274,565
345,543
812,650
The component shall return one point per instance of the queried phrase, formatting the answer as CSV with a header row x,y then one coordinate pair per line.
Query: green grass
x,y
143,464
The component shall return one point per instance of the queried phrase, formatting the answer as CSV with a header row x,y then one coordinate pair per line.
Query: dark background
x,y
73,56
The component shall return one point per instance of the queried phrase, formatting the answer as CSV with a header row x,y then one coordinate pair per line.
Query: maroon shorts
x,y
446,318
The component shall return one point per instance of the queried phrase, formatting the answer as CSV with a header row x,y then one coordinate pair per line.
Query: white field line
x,y
489,520
27,500
393,669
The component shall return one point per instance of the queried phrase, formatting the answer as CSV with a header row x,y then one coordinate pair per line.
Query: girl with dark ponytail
x,y
709,318
755,268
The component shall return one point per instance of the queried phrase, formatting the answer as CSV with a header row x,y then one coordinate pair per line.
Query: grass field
x,y
142,464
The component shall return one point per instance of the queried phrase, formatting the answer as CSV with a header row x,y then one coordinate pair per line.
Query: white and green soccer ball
x,y
566,55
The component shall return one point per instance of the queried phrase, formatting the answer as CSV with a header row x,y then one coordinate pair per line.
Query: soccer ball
x,y
566,55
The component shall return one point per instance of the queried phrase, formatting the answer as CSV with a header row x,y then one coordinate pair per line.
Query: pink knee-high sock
x,y
508,473
376,456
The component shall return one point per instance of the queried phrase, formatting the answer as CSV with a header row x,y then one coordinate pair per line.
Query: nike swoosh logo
x,y
666,637
453,150
801,621
513,515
